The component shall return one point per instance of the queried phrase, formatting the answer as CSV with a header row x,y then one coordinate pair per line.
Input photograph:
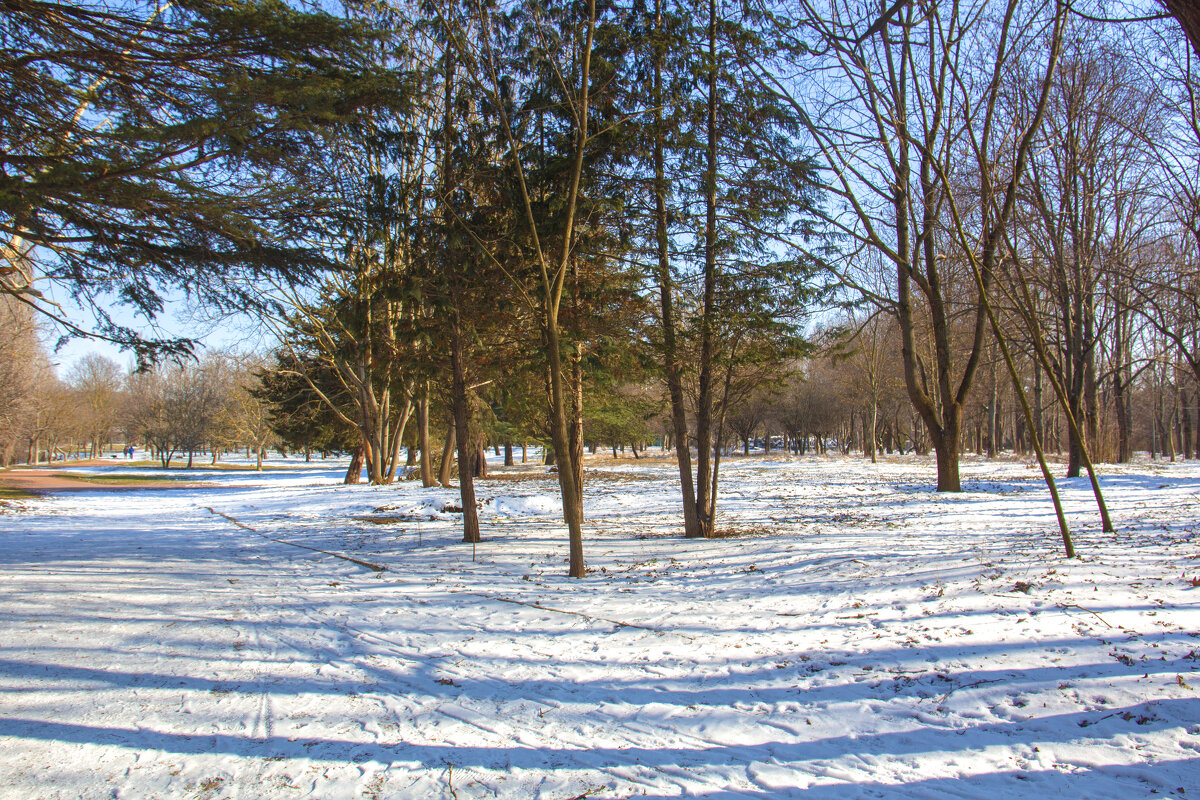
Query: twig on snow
x,y
245,527
1065,606
586,794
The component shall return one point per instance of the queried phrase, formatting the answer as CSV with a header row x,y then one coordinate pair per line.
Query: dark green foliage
x,y
299,417
146,150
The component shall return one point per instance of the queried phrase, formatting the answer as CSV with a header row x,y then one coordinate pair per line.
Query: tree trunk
x,y
947,467
423,437
993,416
481,467
447,453
397,435
1185,421
354,471
874,431
671,360
704,403
576,429
561,441
462,435
1197,442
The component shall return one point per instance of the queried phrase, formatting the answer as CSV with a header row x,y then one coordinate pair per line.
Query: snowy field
x,y
856,636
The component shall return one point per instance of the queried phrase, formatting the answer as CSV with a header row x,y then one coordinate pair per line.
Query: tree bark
x,y
423,437
704,403
671,361
462,434
354,471
447,454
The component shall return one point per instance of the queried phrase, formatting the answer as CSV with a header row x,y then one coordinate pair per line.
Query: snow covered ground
x,y
856,636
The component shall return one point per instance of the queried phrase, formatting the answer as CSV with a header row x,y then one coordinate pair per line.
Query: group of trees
x,y
851,397
574,197
172,410
572,222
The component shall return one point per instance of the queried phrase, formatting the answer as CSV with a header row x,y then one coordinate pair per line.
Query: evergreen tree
x,y
734,201
153,147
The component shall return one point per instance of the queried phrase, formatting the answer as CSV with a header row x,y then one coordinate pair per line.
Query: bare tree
x,y
96,382
901,100
176,408
21,360
247,414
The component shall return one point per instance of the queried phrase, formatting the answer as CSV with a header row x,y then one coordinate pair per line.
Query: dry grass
x,y
122,480
522,476
740,531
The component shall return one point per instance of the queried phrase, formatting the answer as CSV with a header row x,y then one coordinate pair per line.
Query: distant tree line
x,y
172,411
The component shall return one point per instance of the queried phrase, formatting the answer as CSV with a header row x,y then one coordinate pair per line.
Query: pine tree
x,y
734,201
149,148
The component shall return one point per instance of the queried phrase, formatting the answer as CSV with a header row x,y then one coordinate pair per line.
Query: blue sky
x,y
180,318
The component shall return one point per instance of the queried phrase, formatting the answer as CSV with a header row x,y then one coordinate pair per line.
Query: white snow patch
x,y
532,505
859,636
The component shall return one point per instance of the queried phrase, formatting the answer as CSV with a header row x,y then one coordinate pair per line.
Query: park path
x,y
42,480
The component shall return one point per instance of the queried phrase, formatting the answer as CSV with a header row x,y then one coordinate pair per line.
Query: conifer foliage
x,y
149,147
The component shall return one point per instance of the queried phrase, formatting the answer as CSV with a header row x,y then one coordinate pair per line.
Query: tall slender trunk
x,y
704,403
397,435
576,431
874,430
720,438
552,279
1124,416
1185,420
1169,425
423,437
671,361
993,416
458,389
561,440
462,434
1018,388
447,454
1196,449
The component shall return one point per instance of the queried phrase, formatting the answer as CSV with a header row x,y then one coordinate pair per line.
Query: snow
x,y
534,504
855,636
